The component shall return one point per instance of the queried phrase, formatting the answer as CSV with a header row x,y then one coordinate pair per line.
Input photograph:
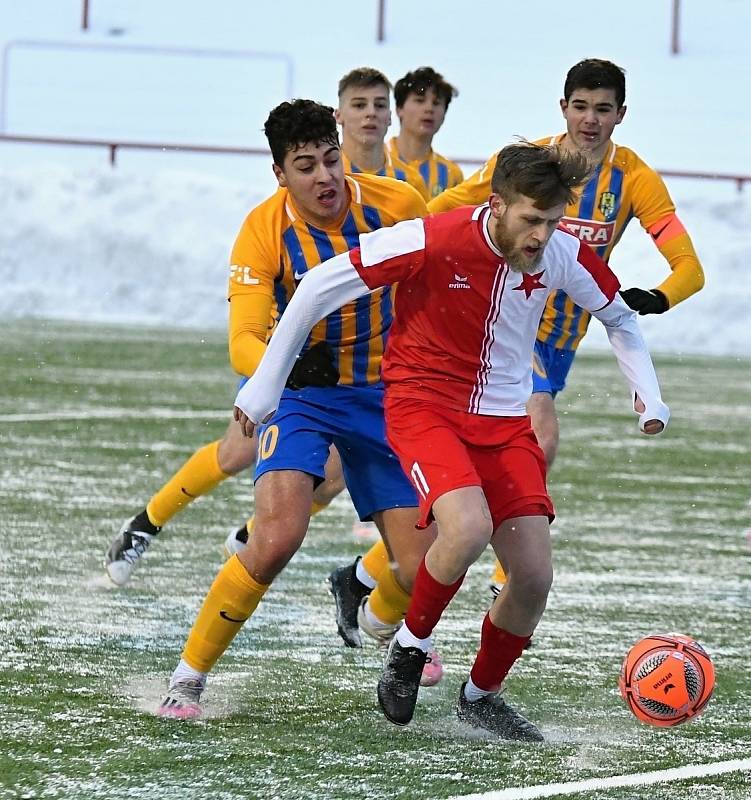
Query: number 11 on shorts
x,y
418,478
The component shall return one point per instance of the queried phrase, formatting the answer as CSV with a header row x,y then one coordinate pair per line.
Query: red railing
x,y
113,147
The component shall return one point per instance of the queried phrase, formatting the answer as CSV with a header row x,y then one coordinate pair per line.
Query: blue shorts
x,y
550,366
309,420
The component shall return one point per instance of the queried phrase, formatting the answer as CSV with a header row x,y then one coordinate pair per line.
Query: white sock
x,y
374,620
184,671
406,638
473,692
365,578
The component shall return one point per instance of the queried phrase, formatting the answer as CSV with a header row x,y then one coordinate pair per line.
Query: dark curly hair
x,y
596,73
419,81
545,173
294,124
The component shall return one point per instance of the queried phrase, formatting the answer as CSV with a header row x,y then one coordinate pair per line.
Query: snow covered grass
x,y
649,538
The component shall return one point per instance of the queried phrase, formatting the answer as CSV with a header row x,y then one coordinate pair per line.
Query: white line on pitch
x,y
617,781
117,413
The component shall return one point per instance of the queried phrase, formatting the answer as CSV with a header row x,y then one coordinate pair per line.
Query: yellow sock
x,y
376,560
314,509
232,598
499,576
197,476
388,601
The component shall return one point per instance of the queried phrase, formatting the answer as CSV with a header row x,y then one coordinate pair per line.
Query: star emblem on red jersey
x,y
530,283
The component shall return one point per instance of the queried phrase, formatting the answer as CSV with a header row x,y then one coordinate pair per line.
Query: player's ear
x,y
279,175
621,115
338,116
497,205
564,105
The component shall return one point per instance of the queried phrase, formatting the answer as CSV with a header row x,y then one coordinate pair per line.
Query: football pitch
x,y
650,538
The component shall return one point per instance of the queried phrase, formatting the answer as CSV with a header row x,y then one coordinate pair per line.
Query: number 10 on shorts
x,y
418,478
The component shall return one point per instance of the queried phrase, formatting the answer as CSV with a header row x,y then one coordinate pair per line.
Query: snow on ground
x,y
148,241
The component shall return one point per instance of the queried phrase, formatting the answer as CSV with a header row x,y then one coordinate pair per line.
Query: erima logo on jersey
x,y
460,282
589,230
242,275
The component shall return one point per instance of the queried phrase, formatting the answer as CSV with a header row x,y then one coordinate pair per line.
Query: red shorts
x,y
441,450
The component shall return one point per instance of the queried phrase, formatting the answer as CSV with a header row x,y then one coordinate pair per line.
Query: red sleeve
x,y
588,281
390,255
603,276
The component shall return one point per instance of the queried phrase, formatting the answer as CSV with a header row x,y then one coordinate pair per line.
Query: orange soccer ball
x,y
666,680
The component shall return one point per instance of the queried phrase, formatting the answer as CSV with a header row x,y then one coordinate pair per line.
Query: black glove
x,y
645,302
315,367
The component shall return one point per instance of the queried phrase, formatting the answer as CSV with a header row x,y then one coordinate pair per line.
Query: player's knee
x,y
531,585
275,540
469,533
235,455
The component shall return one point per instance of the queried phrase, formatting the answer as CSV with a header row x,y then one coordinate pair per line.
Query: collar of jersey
x,y
484,221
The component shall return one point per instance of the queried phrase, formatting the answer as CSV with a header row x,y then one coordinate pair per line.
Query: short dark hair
x,y
596,73
547,174
419,81
294,124
363,78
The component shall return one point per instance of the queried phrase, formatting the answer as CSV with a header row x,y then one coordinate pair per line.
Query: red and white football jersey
x,y
466,322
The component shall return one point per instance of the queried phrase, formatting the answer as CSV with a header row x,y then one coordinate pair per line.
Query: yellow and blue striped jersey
x,y
621,187
437,172
393,167
276,246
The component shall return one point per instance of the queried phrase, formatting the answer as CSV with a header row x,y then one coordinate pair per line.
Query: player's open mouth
x,y
327,198
530,252
590,136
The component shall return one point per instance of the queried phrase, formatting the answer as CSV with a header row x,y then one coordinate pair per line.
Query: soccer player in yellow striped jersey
x,y
622,187
316,213
422,98
268,266
364,114
365,96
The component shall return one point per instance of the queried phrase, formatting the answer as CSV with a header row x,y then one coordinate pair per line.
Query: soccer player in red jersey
x,y
472,287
